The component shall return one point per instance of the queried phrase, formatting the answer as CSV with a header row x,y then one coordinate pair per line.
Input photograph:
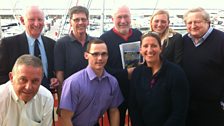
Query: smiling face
x,y
79,23
150,50
159,23
122,20
97,56
26,81
33,20
197,26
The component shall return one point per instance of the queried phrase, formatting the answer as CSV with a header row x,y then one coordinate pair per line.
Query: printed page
x,y
130,54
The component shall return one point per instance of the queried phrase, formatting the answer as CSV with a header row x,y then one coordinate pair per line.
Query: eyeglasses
x,y
79,19
97,54
197,22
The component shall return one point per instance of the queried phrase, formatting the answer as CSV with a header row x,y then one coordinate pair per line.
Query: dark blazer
x,y
13,47
173,48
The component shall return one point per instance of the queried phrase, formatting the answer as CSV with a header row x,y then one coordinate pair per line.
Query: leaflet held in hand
x,y
130,55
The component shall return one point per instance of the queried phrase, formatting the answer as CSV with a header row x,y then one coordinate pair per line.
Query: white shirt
x,y
36,112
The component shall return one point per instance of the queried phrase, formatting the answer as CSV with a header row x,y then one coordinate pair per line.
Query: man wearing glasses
x,y
203,63
69,50
89,93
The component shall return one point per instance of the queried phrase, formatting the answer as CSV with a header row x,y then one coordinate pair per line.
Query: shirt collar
x,y
163,65
14,96
72,37
202,39
31,40
119,34
92,75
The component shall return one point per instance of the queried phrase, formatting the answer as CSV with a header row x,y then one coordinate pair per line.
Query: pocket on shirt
x,y
35,123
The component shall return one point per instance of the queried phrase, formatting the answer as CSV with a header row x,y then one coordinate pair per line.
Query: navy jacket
x,y
164,104
13,47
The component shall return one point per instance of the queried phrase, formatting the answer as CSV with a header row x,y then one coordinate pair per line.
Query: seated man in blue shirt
x,y
87,94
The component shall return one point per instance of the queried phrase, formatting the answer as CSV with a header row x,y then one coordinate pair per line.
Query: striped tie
x,y
37,49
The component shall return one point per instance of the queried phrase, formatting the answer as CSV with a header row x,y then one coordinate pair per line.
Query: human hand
x,y
54,84
58,111
130,71
222,105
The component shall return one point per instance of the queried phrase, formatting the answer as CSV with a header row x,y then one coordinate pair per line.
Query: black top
x,y
13,47
114,63
163,104
204,67
173,48
69,55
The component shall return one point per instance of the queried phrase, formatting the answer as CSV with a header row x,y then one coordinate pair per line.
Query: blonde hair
x,y
165,35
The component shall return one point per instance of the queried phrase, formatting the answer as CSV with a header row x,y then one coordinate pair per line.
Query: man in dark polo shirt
x,y
69,50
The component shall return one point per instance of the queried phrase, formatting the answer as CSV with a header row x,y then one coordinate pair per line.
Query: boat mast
x,y
102,18
0,29
64,19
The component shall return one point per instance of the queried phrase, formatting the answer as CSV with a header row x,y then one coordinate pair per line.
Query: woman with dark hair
x,y
159,89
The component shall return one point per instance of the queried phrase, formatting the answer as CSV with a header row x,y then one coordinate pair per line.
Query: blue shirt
x,y
42,51
89,96
203,37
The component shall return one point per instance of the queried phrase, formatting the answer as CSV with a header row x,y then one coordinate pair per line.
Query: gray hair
x,y
27,8
205,14
28,60
118,7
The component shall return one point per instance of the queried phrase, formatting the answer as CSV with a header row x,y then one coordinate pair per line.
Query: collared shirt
x,y
201,40
89,96
119,34
42,51
14,112
69,55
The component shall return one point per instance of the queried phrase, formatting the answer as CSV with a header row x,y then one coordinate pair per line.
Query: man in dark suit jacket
x,y
13,47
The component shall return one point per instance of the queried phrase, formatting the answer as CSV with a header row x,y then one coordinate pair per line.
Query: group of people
x,y
179,83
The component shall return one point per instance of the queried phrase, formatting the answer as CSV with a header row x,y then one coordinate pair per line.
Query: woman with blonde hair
x,y
172,42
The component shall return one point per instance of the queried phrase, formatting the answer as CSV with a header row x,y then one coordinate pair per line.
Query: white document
x,y
130,55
